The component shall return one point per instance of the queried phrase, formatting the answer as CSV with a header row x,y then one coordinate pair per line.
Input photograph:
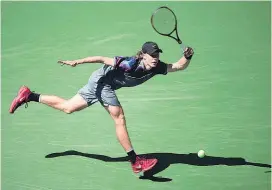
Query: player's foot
x,y
143,164
21,98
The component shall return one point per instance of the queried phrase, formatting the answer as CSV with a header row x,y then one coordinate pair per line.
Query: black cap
x,y
151,48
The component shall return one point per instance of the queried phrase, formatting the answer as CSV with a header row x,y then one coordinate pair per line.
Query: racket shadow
x,y
167,159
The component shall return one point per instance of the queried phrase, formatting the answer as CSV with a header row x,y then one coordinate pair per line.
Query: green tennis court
x,y
220,104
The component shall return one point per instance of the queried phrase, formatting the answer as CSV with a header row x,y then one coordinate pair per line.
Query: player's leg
x,y
138,163
76,103
109,100
118,116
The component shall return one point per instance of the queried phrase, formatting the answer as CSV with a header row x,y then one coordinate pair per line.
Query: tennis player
x,y
116,73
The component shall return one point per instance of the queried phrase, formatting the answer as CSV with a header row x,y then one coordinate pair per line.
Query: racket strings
x,y
164,21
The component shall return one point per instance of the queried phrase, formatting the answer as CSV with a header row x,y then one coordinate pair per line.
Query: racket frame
x,y
174,30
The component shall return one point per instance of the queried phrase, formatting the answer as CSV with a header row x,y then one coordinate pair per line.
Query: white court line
x,y
79,145
26,185
134,23
159,99
13,52
112,38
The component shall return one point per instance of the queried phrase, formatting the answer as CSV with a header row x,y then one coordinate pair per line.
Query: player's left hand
x,y
71,63
188,53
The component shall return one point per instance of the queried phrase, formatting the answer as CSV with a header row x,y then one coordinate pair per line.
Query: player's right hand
x,y
71,63
188,53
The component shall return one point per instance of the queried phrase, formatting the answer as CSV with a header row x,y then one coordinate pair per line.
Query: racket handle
x,y
183,47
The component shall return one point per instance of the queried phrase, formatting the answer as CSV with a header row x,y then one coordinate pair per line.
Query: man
x,y
116,73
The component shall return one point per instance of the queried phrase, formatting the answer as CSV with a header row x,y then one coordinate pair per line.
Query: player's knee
x,y
118,117
68,110
117,114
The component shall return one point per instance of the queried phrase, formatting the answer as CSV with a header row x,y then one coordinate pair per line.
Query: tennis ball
x,y
201,153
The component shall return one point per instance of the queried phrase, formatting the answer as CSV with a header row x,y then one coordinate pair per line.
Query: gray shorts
x,y
95,90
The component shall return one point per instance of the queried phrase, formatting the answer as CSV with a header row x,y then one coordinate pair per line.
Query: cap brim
x,y
157,51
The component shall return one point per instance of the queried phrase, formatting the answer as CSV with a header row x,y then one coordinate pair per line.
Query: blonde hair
x,y
139,55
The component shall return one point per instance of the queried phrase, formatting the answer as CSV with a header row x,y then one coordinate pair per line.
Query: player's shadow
x,y
165,160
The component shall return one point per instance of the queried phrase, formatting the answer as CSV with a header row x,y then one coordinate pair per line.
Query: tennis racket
x,y
164,22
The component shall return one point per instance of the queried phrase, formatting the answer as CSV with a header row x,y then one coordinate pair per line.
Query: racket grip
x,y
183,47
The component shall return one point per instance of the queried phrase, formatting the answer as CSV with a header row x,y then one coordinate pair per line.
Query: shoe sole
x,y
17,99
13,105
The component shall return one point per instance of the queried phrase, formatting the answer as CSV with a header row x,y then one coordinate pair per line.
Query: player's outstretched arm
x,y
93,59
183,62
